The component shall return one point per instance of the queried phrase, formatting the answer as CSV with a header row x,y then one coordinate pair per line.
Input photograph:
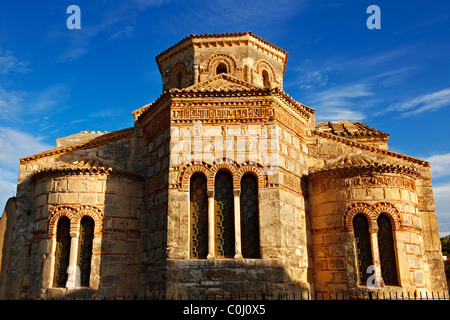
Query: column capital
x,y
74,234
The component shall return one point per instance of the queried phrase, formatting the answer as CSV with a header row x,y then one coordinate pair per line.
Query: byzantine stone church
x,y
224,185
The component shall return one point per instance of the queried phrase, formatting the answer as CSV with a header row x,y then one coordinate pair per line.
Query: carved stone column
x,y
373,231
237,224
211,236
73,280
196,71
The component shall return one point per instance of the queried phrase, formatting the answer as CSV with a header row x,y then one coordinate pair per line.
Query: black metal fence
x,y
319,296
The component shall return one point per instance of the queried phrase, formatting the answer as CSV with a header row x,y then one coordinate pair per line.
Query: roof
x,y
346,128
221,35
86,144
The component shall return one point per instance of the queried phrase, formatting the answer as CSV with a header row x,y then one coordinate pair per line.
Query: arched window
x,y
224,215
85,251
266,78
387,251
363,247
221,68
249,217
199,217
62,253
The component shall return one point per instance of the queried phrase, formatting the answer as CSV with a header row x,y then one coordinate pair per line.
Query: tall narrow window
x,y
363,248
387,251
179,80
199,217
249,217
266,78
62,252
224,215
85,251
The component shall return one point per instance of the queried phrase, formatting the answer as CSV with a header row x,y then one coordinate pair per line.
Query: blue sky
x,y
56,82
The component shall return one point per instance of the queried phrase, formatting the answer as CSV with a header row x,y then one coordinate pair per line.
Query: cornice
x,y
360,169
84,167
200,93
363,146
87,144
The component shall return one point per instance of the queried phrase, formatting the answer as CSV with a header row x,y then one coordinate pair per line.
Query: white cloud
x,y
16,144
426,102
10,104
442,201
440,169
340,103
440,165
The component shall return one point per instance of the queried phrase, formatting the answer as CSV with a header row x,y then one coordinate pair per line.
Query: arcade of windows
x,y
386,249
224,223
73,253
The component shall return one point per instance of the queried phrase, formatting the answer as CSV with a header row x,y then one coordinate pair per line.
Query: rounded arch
x,y
75,215
263,67
253,170
390,211
55,215
92,212
177,75
372,212
221,58
185,174
230,168
358,208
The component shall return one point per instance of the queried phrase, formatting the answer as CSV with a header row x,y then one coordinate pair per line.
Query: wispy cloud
x,y
442,202
241,15
114,23
425,102
440,165
362,79
16,144
340,102
28,107
440,168
10,64
10,104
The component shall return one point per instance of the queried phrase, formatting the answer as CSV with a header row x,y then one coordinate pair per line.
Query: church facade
x,y
224,185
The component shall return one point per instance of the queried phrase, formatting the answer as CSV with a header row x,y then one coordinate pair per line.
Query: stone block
x,y
324,276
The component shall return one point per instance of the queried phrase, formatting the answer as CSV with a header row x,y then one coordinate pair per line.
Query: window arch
x,y
198,217
62,253
85,249
363,246
249,217
224,215
386,250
